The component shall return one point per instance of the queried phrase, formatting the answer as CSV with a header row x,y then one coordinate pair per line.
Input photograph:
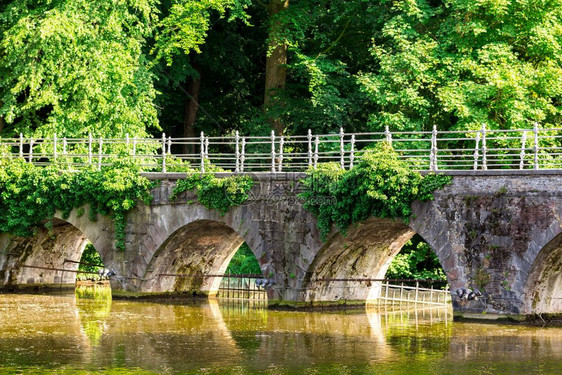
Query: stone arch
x,y
365,252
101,233
48,258
201,247
543,289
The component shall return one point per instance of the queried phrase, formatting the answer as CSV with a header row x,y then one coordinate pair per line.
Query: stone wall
x,y
488,232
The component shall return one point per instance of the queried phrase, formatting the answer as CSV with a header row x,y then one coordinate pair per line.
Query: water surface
x,y
88,333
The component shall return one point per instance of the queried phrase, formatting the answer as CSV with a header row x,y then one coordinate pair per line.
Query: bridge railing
x,y
481,149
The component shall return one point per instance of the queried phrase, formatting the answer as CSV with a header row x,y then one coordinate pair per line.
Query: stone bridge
x,y
497,230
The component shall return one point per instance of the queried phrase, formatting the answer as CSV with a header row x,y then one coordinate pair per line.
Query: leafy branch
x,y
381,185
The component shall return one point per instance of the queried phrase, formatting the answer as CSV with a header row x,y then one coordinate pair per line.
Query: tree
x,y
452,63
76,66
276,65
230,75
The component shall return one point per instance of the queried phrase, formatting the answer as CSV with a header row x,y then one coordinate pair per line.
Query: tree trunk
x,y
275,67
191,108
2,123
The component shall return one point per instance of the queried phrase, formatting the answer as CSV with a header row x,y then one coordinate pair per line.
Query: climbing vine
x,y
381,185
220,193
30,195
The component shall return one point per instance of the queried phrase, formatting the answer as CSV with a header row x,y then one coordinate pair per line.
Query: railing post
x,y
281,143
476,148
237,152
202,138
134,146
536,146
273,151
352,151
388,135
243,154
163,152
309,138
386,291
31,150
433,155
484,148
89,148
316,143
522,154
207,147
55,147
21,145
431,294
169,145
342,151
100,153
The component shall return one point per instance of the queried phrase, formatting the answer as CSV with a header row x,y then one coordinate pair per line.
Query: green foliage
x,y
244,262
381,185
412,64
79,66
76,66
72,67
91,256
30,196
416,260
230,95
220,193
185,27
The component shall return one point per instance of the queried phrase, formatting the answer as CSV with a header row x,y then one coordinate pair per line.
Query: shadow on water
x,y
87,331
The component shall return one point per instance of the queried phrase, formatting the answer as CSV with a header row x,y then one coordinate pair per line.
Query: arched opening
x,y
49,258
417,261
91,269
347,267
543,290
193,259
243,278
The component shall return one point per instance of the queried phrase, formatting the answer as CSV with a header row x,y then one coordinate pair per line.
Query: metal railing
x,y
482,149
242,287
402,294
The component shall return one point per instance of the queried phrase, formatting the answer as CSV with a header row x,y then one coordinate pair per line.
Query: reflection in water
x,y
87,331
93,304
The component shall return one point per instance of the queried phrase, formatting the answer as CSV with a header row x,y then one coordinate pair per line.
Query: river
x,y
87,332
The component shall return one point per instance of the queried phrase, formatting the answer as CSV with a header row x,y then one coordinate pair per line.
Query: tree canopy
x,y
112,67
76,66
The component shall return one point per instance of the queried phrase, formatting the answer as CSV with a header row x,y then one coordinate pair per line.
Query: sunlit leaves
x,y
185,28
244,262
74,67
412,64
219,193
381,185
